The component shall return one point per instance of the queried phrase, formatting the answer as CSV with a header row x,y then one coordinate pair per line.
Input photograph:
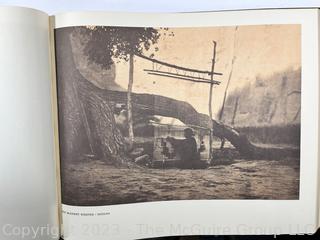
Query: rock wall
x,y
267,101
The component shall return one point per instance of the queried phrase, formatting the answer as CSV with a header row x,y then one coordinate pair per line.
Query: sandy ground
x,y
93,182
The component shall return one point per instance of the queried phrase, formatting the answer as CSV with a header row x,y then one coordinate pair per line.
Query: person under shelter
x,y
187,149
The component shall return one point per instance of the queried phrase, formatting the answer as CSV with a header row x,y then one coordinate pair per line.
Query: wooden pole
x,y
129,102
226,90
235,110
228,83
210,95
285,98
230,75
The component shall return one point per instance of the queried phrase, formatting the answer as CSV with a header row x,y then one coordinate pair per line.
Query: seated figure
x,y
187,149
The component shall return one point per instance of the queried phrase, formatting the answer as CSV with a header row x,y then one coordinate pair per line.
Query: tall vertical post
x,y
284,93
235,110
210,95
230,75
129,101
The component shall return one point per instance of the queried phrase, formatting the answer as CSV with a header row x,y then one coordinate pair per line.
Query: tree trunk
x,y
86,121
158,105
106,137
129,104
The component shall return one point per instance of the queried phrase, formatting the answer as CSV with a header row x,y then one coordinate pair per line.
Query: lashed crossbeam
x,y
177,67
181,76
164,69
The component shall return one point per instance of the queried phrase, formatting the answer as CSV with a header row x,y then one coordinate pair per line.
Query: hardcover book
x,y
140,125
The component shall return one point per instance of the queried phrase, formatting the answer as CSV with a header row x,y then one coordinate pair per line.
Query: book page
x,y
188,124
319,134
28,203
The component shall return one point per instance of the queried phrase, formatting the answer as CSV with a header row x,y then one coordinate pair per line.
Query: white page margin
x,y
237,216
27,164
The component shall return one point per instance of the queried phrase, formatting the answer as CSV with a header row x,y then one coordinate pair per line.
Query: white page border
x,y
221,216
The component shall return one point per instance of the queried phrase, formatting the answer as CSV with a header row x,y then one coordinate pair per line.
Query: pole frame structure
x,y
210,94
129,101
184,74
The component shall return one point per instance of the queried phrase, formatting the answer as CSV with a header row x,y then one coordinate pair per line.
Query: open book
x,y
129,125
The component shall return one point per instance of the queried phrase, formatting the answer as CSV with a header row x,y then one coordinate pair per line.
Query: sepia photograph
x,y
159,114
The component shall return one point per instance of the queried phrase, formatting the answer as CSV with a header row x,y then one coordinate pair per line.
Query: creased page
x,y
27,167
188,124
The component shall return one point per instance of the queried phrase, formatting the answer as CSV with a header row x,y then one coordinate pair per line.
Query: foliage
x,y
105,43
